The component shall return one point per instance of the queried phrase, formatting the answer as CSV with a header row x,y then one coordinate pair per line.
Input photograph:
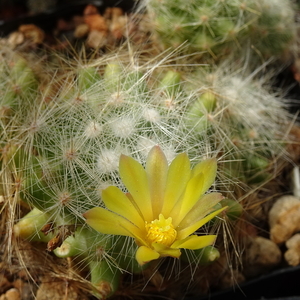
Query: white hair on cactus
x,y
123,127
151,115
232,91
144,145
108,160
93,129
116,99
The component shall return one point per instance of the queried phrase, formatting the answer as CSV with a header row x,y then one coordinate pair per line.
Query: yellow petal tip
x,y
144,255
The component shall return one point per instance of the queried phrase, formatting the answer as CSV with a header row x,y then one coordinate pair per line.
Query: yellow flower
x,y
164,206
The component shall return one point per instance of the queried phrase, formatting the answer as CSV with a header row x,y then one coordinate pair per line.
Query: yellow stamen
x,y
161,231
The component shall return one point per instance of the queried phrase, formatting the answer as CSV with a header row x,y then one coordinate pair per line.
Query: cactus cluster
x,y
62,139
64,128
222,27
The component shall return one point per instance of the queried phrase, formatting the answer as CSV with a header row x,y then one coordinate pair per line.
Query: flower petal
x,y
108,222
194,242
209,168
135,179
184,232
115,200
178,175
203,175
157,170
193,192
166,251
145,254
204,206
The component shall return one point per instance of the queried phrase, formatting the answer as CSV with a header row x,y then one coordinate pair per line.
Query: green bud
x,y
84,242
19,64
256,169
207,255
197,114
104,277
73,245
87,76
23,78
27,82
29,227
203,42
112,77
204,256
208,101
225,28
170,83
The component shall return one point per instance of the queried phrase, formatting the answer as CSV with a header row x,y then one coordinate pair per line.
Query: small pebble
x,y
96,39
81,31
15,38
12,294
33,33
292,255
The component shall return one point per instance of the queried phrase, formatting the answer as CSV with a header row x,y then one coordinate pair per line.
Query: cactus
x,y
240,112
218,28
62,141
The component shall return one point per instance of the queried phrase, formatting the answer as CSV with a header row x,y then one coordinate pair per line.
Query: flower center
x,y
161,231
